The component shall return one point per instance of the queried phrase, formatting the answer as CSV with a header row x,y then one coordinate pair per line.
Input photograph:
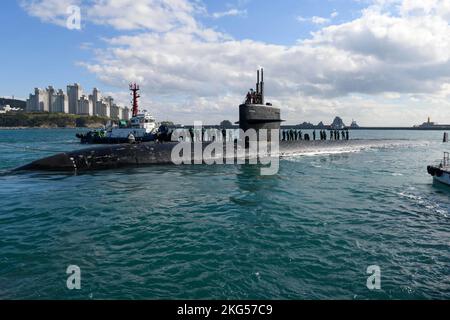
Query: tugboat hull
x,y
439,175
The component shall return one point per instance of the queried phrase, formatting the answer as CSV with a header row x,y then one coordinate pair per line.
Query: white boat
x,y
441,171
142,125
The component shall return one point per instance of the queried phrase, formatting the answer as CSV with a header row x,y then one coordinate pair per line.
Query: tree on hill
x,y
226,124
167,123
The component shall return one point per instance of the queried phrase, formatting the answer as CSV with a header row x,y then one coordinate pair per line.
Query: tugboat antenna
x,y
134,88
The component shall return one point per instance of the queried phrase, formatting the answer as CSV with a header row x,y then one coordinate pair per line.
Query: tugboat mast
x,y
134,88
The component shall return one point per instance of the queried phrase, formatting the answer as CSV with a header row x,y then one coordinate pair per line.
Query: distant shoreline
x,y
46,120
43,128
282,128
402,128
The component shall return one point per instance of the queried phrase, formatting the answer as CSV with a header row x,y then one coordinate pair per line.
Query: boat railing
x,y
446,161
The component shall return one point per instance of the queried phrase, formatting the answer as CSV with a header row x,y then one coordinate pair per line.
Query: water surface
x,y
225,232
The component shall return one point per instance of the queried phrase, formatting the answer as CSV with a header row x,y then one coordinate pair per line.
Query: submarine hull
x,y
107,157
151,153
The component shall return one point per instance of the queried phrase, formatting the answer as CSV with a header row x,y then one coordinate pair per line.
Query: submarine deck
x,y
152,153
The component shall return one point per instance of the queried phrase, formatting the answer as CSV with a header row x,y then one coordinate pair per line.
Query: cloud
x,y
314,20
231,12
155,15
318,20
52,11
395,49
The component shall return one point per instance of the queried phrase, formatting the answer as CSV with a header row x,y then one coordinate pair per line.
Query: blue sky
x,y
47,54
377,61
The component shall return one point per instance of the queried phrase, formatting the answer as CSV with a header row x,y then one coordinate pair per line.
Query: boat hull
x,y
439,174
445,178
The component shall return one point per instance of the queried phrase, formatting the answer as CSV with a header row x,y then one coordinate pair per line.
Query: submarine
x,y
254,114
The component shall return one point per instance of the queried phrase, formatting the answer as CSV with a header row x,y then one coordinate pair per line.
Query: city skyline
x,y
75,101
378,62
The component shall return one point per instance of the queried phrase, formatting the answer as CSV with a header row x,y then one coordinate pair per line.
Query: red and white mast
x,y
134,88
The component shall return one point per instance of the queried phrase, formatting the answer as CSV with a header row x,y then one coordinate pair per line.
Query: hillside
x,y
13,103
50,120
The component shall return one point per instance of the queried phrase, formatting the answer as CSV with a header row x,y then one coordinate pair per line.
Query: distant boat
x,y
441,171
432,126
142,127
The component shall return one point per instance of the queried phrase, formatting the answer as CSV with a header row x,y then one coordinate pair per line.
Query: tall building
x,y
116,112
61,103
126,113
103,108
51,98
38,102
110,102
74,92
75,102
30,103
95,97
85,106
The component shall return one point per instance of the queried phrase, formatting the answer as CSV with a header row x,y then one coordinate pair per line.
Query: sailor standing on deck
x,y
248,99
131,138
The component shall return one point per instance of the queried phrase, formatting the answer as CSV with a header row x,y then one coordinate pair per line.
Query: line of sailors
x,y
206,135
295,135
253,97
210,135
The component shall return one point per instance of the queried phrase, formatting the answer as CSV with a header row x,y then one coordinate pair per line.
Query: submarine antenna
x,y
134,88
257,81
262,86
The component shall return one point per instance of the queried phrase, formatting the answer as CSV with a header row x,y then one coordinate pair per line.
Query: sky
x,y
379,62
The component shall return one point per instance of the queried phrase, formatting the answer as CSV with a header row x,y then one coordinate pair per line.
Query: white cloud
x,y
320,20
315,20
155,15
53,11
385,67
231,12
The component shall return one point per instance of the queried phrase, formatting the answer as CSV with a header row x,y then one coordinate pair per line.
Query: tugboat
x,y
142,127
441,171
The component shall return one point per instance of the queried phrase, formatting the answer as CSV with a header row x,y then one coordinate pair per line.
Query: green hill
x,y
14,103
50,120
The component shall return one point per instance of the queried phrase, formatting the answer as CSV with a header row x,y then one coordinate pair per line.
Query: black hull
x,y
153,153
89,139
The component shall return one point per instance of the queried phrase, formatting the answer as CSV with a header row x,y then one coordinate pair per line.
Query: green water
x,y
225,232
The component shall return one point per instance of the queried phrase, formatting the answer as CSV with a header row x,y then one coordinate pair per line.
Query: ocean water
x,y
225,232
